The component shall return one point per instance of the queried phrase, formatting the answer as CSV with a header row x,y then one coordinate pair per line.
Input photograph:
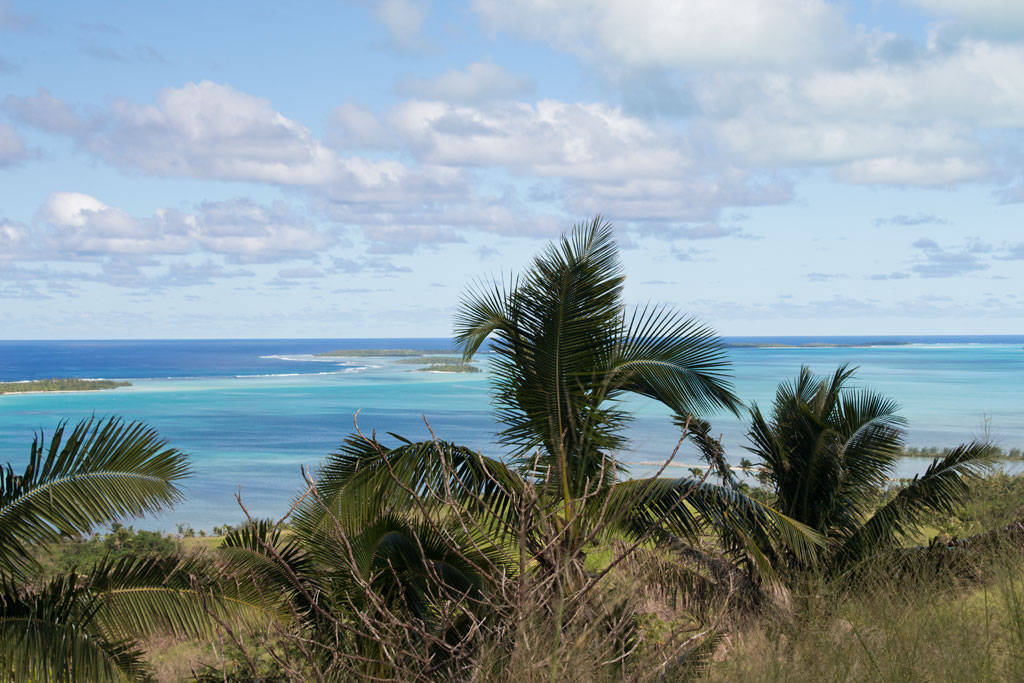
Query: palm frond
x,y
102,470
51,634
939,490
674,360
176,594
688,508
364,480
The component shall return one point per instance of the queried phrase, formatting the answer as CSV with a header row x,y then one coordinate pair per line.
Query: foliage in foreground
x,y
826,452
925,627
84,623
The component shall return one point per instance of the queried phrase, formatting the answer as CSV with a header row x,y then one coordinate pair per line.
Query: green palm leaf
x,y
939,490
103,470
52,634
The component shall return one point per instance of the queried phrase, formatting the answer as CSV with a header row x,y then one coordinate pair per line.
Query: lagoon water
x,y
251,412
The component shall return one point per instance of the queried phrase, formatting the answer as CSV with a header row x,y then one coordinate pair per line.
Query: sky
x,y
349,169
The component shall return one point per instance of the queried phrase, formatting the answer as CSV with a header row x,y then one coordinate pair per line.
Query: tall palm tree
x,y
565,353
85,627
827,452
392,517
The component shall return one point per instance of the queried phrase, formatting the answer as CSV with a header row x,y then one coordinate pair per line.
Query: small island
x,y
60,384
457,366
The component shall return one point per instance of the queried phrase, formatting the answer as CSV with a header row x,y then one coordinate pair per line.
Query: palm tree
x,y
565,354
85,627
828,451
393,517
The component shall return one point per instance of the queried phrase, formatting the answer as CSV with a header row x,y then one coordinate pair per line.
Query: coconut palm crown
x,y
565,352
827,450
83,625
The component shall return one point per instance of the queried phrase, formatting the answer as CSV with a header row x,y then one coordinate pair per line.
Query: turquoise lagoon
x,y
252,412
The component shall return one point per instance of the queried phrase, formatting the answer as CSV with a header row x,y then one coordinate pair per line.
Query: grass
x,y
924,629
925,626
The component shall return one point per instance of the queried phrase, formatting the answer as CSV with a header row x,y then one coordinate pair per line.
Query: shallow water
x,y
252,411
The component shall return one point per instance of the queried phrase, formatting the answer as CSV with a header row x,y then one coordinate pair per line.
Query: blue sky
x,y
347,169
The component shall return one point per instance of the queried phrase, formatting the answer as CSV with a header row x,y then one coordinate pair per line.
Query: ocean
x,y
252,411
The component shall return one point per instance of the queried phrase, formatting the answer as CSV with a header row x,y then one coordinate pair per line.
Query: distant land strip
x,y
448,367
813,345
60,384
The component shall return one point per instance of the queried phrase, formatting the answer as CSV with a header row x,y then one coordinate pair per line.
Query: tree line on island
x,y
403,560
60,384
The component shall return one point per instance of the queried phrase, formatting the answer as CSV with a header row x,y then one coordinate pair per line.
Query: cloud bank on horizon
x,y
773,166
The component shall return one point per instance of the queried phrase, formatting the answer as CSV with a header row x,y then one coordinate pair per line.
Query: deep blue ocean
x,y
252,411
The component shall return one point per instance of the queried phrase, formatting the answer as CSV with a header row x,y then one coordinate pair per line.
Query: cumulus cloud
x,y
46,112
209,130
904,220
77,226
404,239
373,264
478,82
82,225
937,261
787,83
551,139
12,148
929,120
404,22
697,33
995,18
1011,252
246,231
14,240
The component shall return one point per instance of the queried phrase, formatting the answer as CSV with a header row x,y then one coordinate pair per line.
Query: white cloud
x,y
78,226
209,130
675,35
549,139
14,240
246,231
46,112
987,17
936,261
478,82
353,126
12,149
84,226
404,20
928,121
908,171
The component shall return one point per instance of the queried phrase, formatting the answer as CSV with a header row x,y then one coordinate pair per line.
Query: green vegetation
x,y
60,384
439,364
381,353
449,367
933,452
85,624
827,451
423,561
122,542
